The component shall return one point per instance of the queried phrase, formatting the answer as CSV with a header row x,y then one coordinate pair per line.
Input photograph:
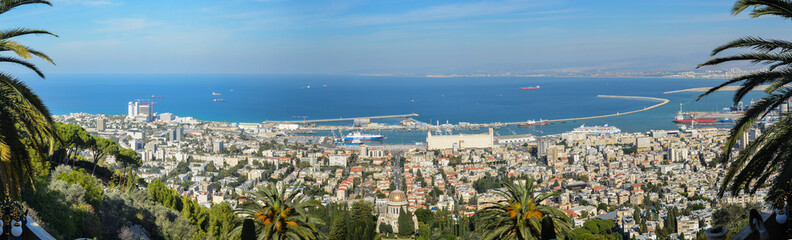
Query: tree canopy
x,y
519,215
128,157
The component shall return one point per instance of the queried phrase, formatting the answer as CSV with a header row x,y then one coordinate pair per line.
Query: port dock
x,y
363,119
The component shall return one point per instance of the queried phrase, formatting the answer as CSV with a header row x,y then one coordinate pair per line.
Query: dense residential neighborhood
x,y
632,179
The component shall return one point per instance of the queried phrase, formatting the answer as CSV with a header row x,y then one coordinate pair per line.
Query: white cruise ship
x,y
599,130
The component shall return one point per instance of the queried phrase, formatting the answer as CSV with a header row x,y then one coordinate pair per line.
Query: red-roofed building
x,y
571,213
356,172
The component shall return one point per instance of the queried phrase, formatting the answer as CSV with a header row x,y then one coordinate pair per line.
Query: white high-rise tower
x,y
131,110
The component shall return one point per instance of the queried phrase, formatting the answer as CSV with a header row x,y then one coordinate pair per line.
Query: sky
x,y
382,37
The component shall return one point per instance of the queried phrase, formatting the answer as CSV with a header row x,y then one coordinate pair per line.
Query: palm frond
x,y
14,159
518,215
755,112
23,63
779,83
752,57
280,216
22,108
768,155
779,8
6,5
756,43
26,52
751,84
763,76
759,159
16,32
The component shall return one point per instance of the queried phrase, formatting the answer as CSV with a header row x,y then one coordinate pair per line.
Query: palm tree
x,y
24,120
520,215
771,153
280,216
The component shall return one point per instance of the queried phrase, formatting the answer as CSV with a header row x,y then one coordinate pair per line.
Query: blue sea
x,y
256,98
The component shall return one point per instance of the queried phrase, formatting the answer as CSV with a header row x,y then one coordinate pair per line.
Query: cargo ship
x,y
599,130
687,119
680,118
530,123
537,87
357,136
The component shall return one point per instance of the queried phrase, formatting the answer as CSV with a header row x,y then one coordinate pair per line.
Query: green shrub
x,y
51,210
92,186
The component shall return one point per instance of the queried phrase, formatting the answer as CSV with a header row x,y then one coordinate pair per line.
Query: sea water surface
x,y
257,98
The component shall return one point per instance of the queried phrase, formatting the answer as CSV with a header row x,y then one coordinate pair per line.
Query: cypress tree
x,y
385,228
248,230
406,225
338,231
362,222
548,229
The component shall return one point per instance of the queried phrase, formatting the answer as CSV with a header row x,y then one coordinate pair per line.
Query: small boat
x,y
216,94
218,100
308,87
153,96
537,87
530,123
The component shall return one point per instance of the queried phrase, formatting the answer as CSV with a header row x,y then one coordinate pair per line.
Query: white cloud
x,y
707,18
442,12
91,3
73,47
126,24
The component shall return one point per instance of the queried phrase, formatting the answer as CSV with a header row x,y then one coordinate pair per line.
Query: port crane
x,y
150,102
145,101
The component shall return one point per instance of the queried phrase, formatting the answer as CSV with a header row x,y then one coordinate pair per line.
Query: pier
x,y
311,124
661,100
363,119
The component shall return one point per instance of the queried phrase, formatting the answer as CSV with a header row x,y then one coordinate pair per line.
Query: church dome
x,y
397,196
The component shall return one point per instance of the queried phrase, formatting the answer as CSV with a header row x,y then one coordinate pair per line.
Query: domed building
x,y
397,200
